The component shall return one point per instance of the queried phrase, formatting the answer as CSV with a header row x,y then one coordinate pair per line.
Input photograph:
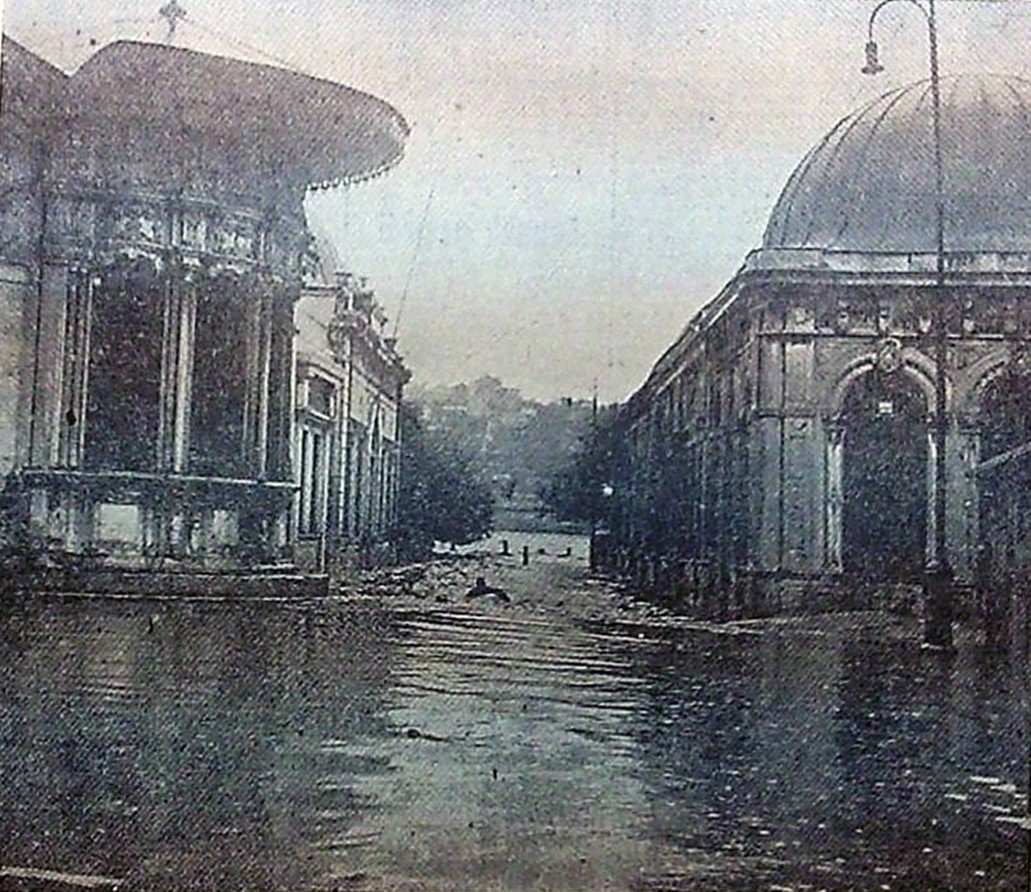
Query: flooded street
x,y
412,744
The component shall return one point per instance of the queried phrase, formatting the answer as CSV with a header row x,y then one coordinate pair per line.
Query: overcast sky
x,y
581,176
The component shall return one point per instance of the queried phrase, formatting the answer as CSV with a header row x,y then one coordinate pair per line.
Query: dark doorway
x,y
225,318
885,478
123,403
1004,495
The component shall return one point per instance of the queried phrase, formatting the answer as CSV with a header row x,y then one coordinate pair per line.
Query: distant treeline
x,y
514,448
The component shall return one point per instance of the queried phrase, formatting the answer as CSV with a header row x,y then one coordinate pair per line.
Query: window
x,y
220,372
320,396
123,403
312,481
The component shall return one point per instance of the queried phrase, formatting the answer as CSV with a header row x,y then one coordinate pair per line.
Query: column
x,y
255,415
71,432
962,449
282,380
931,548
177,373
46,333
834,497
264,375
966,503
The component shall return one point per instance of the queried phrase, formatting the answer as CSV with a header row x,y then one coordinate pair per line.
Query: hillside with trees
x,y
515,446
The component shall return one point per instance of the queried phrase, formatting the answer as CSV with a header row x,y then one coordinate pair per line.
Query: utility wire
x,y
420,235
415,257
80,37
228,38
278,60
215,32
422,223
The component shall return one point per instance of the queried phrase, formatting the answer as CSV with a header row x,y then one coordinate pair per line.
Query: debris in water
x,y
416,734
481,588
1024,823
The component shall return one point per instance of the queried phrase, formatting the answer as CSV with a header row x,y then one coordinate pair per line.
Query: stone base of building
x,y
787,595
157,584
343,560
708,590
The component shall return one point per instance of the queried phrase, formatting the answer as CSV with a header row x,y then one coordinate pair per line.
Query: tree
x,y
442,496
582,490
517,444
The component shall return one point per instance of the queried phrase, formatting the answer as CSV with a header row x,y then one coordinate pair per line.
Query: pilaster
x,y
46,331
75,374
177,372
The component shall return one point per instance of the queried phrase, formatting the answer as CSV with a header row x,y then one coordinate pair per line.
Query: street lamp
x,y
599,509
938,588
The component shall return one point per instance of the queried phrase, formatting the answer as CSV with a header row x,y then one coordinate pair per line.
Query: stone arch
x,y
885,477
914,365
910,375
981,375
1004,418
1002,468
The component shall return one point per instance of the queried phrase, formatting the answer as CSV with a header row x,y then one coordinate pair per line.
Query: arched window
x,y
1004,484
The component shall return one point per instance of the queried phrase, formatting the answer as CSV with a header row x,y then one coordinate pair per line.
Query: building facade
x,y
784,444
153,246
347,445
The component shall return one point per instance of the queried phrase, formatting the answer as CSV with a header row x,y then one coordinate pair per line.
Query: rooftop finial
x,y
173,12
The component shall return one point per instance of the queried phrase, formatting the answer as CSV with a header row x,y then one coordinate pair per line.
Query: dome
x,y
308,130
869,185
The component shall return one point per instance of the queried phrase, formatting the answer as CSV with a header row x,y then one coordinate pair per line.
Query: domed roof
x,y
869,185
305,129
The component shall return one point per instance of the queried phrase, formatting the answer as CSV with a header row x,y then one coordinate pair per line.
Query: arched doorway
x,y
884,477
1004,474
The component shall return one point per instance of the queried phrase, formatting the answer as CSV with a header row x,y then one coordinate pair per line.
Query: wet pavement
x,y
573,740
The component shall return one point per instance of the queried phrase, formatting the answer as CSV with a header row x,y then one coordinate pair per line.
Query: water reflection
x,y
836,760
333,745
185,744
536,789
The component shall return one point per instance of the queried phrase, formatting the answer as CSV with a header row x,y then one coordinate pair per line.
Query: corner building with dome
x,y
781,453
153,253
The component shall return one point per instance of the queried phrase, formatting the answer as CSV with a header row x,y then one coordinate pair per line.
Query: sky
x,y
581,177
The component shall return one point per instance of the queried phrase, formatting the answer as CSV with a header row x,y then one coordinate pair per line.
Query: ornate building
x,y
348,435
153,245
784,443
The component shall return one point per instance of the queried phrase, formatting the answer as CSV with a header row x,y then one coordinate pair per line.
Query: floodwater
x,y
344,745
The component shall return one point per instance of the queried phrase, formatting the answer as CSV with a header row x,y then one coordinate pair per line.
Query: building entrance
x,y
885,477
1004,500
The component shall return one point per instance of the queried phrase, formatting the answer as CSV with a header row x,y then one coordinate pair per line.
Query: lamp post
x,y
600,511
938,588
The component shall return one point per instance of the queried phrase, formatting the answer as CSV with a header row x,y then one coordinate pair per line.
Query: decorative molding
x,y
1020,358
888,356
100,225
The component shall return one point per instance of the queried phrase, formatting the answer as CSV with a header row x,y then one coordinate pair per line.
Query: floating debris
x,y
1024,823
58,878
